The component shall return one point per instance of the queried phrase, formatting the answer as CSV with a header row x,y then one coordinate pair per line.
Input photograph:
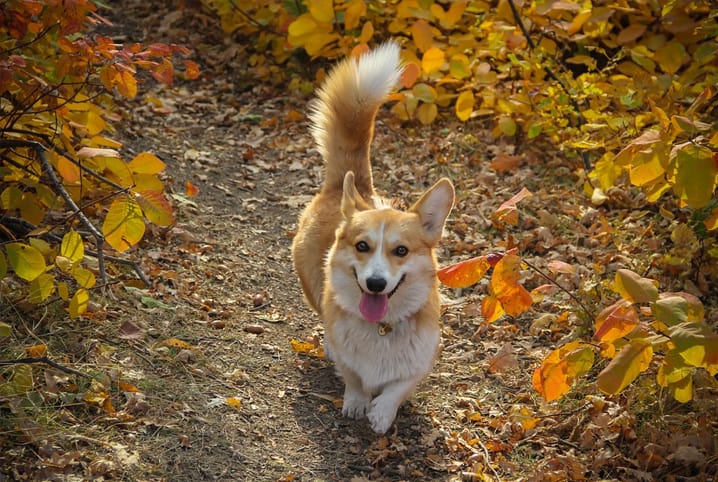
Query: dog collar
x,y
385,328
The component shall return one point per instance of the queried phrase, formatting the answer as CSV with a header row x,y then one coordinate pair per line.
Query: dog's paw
x,y
382,413
355,405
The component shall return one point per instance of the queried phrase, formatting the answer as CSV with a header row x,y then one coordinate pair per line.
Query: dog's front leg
x,y
383,408
356,400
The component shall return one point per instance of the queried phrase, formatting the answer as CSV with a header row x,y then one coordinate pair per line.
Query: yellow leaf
x,y
459,66
367,32
146,163
63,290
353,14
68,170
634,288
465,105
155,207
696,175
697,344
322,10
72,247
491,309
305,24
306,348
27,261
426,113
424,92
671,56
124,225
422,34
3,265
507,125
84,277
633,359
41,288
453,15
433,60
233,402
79,302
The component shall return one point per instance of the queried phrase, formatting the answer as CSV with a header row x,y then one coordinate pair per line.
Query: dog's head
x,y
382,264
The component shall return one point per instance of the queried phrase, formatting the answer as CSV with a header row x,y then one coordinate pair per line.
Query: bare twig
x,y
45,360
558,285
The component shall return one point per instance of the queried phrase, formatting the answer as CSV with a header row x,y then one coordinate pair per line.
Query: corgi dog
x,y
366,268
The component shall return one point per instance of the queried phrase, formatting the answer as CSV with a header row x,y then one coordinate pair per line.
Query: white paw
x,y
382,414
355,405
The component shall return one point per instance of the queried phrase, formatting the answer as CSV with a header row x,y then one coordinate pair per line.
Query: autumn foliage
x,y
61,171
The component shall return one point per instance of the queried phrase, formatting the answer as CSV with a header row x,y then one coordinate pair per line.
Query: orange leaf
x,y
191,190
410,73
503,162
507,212
127,84
36,351
155,207
127,387
616,321
191,70
464,273
556,266
559,370
514,298
422,35
69,171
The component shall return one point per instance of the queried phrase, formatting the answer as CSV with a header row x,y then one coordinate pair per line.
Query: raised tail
x,y
344,112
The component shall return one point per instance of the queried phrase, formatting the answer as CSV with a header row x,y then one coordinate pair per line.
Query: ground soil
x,y
224,396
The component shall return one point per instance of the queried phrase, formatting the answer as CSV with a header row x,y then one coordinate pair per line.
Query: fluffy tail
x,y
343,116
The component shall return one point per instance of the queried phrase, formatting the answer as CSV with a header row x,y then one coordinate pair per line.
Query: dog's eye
x,y
362,247
401,251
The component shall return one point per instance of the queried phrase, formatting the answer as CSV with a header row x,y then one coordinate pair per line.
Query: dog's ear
x,y
351,199
434,207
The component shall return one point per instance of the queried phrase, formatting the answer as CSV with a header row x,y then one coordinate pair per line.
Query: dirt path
x,y
235,299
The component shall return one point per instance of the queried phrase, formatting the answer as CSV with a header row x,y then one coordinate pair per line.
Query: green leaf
x,y
5,329
3,265
634,288
21,382
631,361
27,261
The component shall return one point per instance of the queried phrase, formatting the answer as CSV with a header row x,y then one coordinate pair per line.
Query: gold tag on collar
x,y
384,328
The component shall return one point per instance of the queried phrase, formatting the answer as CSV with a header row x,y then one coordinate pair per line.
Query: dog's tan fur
x,y
336,272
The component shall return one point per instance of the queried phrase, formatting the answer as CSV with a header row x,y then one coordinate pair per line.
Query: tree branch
x,y
45,360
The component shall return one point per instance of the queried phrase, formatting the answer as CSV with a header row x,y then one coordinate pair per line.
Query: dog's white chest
x,y
403,353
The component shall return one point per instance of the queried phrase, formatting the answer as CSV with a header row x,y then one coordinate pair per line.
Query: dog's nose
x,y
375,284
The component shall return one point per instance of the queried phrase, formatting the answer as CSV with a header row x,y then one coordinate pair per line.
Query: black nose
x,y
375,285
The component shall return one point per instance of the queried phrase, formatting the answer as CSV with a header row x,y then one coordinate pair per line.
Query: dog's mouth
x,y
373,306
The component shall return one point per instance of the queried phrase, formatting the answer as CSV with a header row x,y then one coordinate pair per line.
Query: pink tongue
x,y
373,307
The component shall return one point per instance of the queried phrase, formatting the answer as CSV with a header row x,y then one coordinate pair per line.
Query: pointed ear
x,y
434,207
351,200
